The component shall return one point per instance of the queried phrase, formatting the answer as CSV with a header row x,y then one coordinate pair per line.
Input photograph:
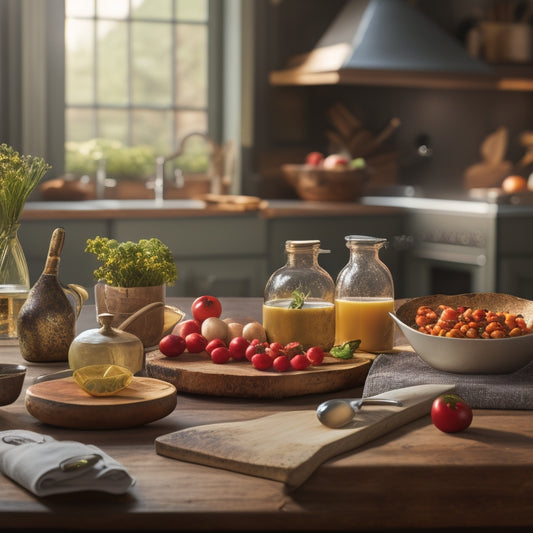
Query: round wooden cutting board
x,y
61,402
197,374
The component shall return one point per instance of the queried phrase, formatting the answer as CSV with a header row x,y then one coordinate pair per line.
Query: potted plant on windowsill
x,y
133,276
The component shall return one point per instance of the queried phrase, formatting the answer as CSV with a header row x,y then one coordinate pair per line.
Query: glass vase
x,y
14,281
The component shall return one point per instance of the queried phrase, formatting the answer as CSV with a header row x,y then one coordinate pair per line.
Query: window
x,y
136,71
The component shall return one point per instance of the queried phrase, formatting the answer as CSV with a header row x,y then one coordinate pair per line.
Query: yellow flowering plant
x,y
128,264
19,175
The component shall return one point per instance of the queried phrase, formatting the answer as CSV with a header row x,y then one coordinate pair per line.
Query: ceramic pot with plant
x,y
133,277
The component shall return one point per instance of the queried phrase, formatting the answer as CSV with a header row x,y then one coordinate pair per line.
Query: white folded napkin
x,y
47,466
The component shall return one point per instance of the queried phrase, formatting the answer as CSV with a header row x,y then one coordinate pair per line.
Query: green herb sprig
x,y
127,264
298,299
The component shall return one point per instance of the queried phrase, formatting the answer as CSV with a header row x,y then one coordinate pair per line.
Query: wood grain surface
x,y
289,446
197,374
62,403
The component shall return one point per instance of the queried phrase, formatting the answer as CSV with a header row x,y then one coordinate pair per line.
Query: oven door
x,y
435,268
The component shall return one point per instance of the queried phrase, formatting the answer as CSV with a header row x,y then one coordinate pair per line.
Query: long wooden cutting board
x,y
289,446
197,374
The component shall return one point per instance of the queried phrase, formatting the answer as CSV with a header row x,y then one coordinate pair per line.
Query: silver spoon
x,y
337,413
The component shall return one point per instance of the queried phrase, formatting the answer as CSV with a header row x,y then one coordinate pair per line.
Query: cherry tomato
x,y
281,363
450,413
261,361
255,348
315,354
237,348
185,328
215,343
300,362
220,355
196,342
172,345
205,307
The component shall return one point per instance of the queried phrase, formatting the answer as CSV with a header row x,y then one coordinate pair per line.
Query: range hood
x,y
383,41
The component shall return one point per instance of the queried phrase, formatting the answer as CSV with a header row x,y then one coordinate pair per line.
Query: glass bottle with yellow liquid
x,y
364,296
299,299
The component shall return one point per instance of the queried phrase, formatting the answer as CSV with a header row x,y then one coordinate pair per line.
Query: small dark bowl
x,y
11,380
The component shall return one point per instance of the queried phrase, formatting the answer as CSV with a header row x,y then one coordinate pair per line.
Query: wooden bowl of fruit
x,y
332,179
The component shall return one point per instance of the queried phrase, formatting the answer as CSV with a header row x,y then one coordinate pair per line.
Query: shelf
x,y
505,78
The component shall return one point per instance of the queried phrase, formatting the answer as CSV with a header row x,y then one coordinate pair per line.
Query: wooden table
x,y
414,477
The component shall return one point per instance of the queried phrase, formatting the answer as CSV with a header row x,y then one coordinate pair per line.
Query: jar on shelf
x,y
364,296
299,299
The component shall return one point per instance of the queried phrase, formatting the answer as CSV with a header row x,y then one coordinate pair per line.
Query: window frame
x,y
40,105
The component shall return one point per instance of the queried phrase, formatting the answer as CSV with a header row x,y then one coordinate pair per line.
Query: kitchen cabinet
x,y
331,230
220,255
227,254
515,257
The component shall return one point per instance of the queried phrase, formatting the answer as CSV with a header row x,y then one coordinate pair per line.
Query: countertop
x,y
106,209
414,477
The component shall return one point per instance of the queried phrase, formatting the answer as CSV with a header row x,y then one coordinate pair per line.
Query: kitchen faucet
x,y
215,169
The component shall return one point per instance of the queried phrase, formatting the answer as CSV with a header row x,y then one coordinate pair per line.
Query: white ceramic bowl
x,y
469,356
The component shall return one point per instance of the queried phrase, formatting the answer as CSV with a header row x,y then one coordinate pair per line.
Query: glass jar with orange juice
x,y
364,296
299,299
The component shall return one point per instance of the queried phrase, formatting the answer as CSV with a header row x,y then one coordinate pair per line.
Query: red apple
x,y
314,159
336,161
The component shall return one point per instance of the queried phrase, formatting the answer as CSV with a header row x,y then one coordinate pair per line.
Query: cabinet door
x,y
516,276
219,255
220,277
330,231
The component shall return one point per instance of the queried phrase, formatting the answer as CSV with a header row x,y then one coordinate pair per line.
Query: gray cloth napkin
x,y
47,466
494,391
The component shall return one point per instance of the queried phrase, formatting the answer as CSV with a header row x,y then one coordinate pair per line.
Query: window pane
x,y
189,121
191,65
79,62
152,9
191,9
152,64
79,124
79,8
113,124
116,9
112,63
154,128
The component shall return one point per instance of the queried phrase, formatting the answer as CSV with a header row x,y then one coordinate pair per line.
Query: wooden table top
x,y
413,477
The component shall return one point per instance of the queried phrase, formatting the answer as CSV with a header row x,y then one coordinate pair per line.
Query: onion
x,y
254,330
234,330
214,328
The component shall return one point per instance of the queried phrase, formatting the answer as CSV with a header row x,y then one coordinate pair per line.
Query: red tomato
x,y
261,361
237,348
300,362
215,343
281,363
220,355
205,307
450,413
185,328
315,354
172,345
196,342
